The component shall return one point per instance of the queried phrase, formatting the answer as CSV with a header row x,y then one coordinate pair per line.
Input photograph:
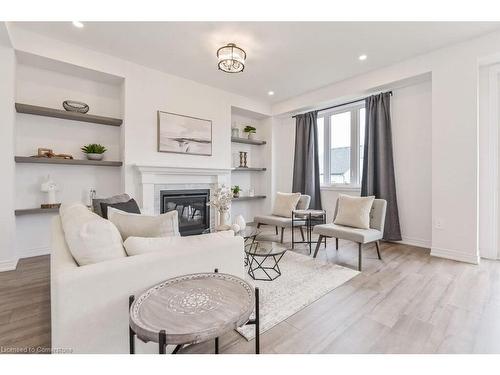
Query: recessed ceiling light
x,y
362,57
270,93
78,24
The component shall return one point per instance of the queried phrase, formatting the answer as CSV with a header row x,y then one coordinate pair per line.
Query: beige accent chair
x,y
285,222
360,236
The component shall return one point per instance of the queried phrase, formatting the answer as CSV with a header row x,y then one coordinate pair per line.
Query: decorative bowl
x,y
74,106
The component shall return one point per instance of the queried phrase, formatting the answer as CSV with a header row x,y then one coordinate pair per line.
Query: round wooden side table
x,y
191,309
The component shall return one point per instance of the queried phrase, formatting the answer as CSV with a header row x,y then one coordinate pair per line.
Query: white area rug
x,y
303,280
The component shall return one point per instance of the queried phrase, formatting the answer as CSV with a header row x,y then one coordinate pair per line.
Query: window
x,y
341,136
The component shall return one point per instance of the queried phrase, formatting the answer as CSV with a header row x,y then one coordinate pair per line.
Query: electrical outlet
x,y
438,223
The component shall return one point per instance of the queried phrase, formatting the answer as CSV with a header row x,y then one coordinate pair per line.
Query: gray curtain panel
x,y
306,161
378,163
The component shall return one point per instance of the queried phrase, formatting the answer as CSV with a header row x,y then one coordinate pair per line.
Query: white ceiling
x,y
289,58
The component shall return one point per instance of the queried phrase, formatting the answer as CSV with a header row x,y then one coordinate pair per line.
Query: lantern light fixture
x,y
231,58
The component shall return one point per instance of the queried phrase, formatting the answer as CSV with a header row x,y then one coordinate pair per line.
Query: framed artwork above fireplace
x,y
184,134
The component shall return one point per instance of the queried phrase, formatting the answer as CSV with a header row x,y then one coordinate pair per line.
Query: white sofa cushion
x,y
285,203
354,211
90,238
143,245
138,225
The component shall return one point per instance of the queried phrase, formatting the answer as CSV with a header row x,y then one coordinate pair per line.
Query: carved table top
x,y
192,308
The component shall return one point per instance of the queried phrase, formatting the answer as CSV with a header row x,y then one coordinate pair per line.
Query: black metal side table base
x,y
272,272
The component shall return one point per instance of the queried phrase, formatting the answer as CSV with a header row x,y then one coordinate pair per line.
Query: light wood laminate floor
x,y
409,302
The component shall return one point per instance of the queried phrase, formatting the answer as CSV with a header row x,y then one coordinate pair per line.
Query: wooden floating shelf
x,y
103,163
255,197
59,113
248,141
30,211
248,169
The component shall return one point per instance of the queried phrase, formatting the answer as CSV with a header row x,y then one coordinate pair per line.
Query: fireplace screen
x,y
191,205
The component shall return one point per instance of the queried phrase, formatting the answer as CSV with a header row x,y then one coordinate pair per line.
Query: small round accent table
x,y
191,309
263,259
312,218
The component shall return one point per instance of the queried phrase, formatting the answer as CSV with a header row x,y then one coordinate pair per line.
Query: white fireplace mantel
x,y
155,177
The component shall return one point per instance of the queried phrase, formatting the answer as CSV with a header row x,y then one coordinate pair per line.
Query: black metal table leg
x,y
162,342
216,345
131,333
257,322
177,348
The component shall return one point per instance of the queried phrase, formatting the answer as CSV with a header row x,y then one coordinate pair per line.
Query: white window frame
x,y
355,183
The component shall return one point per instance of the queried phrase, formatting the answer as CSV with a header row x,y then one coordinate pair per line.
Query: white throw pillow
x,y
137,225
142,245
285,203
90,238
354,211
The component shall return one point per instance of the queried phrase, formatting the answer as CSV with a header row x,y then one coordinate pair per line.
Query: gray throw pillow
x,y
130,207
96,203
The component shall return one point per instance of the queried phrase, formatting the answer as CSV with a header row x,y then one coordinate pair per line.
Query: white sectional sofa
x,y
89,304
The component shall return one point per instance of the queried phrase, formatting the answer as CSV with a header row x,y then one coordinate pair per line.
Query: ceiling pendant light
x,y
231,58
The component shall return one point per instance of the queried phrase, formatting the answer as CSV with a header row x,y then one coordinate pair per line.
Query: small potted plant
x,y
94,151
250,130
236,191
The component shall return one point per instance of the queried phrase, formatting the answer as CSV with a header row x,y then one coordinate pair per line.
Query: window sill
x,y
341,188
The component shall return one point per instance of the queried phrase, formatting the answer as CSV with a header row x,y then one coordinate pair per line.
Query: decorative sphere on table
x,y
240,221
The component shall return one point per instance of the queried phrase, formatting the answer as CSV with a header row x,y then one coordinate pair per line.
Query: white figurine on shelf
x,y
49,187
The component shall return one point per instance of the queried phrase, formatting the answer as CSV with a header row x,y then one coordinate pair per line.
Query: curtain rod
x,y
343,104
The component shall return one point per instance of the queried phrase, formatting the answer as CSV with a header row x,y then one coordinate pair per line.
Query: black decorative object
x,y
74,106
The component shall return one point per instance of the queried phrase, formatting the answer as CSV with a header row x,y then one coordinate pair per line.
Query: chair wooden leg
x,y
282,232
276,230
359,256
318,244
378,250
336,243
302,233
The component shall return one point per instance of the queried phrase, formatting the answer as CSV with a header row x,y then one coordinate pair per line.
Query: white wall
x,y
283,153
488,161
411,109
141,94
8,258
454,135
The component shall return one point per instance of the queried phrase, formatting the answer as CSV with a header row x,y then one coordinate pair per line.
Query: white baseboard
x,y
34,252
455,255
8,265
418,242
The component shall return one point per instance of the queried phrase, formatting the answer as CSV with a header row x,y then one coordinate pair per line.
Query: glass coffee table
x,y
263,259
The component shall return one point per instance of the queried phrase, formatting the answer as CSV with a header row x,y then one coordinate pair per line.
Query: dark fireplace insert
x,y
192,207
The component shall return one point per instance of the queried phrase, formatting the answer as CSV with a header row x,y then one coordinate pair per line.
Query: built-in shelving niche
x,y
256,176
41,122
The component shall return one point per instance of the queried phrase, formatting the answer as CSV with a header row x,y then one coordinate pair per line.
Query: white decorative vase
x,y
224,219
92,156
251,135
240,221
